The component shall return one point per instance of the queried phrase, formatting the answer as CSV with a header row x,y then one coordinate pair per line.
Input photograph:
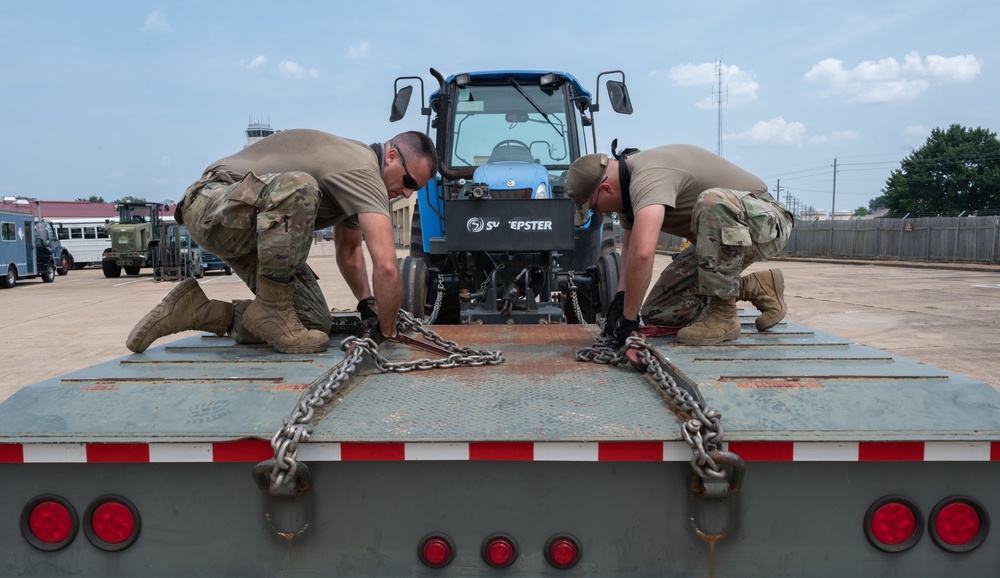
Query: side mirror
x,y
618,93
400,102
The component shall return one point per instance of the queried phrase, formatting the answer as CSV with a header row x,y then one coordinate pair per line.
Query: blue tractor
x,y
492,238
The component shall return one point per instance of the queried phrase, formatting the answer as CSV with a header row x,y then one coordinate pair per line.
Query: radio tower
x,y
719,97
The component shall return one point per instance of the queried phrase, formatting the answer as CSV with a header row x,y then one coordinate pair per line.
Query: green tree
x,y
92,199
956,170
129,199
861,212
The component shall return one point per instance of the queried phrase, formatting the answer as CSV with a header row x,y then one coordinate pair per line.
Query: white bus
x,y
85,241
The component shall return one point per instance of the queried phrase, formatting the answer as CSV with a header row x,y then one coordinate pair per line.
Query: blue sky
x,y
115,98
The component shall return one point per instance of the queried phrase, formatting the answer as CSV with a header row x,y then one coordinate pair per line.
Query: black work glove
x,y
624,329
367,308
371,327
615,311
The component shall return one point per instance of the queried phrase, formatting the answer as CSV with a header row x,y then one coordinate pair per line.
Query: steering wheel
x,y
509,142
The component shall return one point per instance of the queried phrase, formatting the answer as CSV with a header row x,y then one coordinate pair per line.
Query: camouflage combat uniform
x,y
726,213
257,210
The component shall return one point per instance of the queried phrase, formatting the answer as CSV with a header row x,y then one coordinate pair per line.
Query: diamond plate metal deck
x,y
201,388
790,384
795,383
540,393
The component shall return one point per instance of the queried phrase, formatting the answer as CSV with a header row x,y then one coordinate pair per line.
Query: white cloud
x,y
359,50
775,131
686,75
156,22
257,62
958,68
916,130
887,80
296,71
835,137
738,86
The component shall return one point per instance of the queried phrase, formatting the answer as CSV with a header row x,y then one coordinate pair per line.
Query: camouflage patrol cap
x,y
583,178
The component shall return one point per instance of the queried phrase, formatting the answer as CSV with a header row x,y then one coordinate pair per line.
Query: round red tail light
x,y
893,524
436,551
111,523
49,522
562,551
499,550
959,524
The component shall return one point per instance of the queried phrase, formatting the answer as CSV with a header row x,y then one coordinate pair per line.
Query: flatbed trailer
x,y
840,460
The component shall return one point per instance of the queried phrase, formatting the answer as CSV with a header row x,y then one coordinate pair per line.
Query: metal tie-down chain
x,y
702,432
284,471
430,319
573,298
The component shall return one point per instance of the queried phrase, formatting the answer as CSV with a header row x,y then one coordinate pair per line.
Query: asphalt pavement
x,y
943,316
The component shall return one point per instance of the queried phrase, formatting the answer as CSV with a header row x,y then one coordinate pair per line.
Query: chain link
x,y
430,319
298,424
574,301
702,432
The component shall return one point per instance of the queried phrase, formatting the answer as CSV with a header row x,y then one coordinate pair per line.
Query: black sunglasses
x,y
408,180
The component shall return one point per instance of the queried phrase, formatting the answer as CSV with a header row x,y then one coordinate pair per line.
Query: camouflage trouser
x,y
733,229
261,225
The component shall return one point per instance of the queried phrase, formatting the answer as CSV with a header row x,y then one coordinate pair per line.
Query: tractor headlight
x,y
542,191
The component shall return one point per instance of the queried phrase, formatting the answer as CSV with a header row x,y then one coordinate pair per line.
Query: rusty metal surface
x,y
199,388
791,383
540,393
795,383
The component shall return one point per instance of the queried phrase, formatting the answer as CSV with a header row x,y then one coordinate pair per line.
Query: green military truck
x,y
134,238
784,453
143,238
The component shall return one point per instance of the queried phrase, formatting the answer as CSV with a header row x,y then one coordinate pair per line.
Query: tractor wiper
x,y
532,102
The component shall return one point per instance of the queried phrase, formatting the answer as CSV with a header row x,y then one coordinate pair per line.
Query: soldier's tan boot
x,y
718,322
185,308
271,317
241,334
766,290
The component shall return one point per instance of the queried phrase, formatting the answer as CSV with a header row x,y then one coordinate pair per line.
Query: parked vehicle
x,y
175,256
25,253
204,458
87,242
494,233
211,262
134,238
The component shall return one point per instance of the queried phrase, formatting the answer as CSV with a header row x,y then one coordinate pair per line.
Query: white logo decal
x,y
531,225
511,183
475,225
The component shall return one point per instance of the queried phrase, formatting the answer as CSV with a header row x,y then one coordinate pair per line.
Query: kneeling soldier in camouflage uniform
x,y
257,211
726,213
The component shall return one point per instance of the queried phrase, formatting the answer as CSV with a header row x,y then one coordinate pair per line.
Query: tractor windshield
x,y
510,122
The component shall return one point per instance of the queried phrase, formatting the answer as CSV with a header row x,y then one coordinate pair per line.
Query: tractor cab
x,y
494,233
